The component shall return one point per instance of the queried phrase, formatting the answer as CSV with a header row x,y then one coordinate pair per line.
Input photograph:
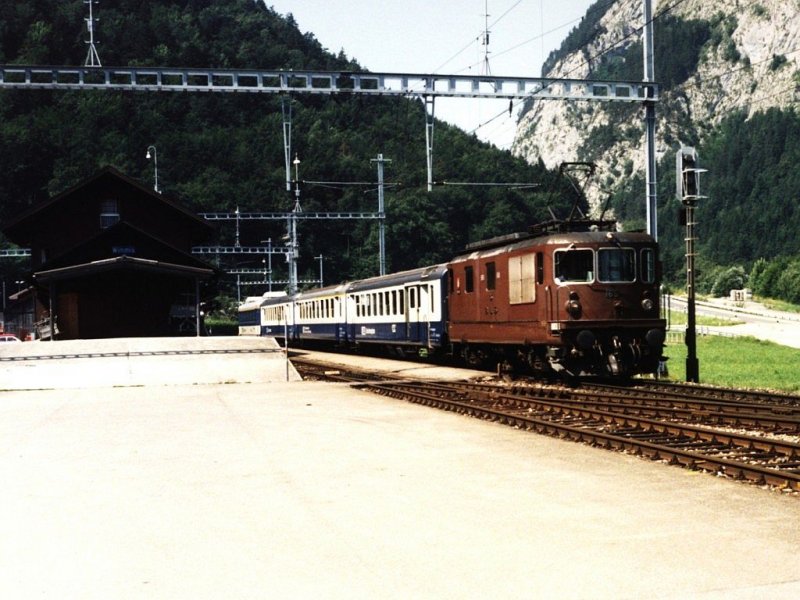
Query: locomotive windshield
x,y
616,265
575,265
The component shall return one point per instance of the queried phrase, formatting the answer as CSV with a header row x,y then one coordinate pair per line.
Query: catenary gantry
x,y
321,82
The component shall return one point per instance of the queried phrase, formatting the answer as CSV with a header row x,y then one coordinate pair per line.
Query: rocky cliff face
x,y
747,60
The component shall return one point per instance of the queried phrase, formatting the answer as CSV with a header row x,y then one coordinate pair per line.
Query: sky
x,y
444,37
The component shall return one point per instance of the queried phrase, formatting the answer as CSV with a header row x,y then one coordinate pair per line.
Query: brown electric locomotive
x,y
572,296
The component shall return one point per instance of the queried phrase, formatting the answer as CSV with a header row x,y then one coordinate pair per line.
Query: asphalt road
x,y
753,320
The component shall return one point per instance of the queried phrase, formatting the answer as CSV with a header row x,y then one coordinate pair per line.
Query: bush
x,y
766,282
733,278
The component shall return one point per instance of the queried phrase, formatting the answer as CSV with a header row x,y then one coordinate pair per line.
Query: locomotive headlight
x,y
573,306
647,305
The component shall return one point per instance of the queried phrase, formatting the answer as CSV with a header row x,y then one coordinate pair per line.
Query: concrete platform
x,y
314,490
142,361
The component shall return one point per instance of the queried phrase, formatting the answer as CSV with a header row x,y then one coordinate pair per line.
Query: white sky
x,y
444,36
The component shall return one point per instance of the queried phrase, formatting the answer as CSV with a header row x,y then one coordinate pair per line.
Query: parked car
x,y
7,337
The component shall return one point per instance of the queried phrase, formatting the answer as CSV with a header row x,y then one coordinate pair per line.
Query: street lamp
x,y
155,164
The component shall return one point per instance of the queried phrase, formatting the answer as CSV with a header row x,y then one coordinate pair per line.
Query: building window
x,y
109,213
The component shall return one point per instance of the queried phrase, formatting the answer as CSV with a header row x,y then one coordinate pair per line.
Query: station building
x,y
111,257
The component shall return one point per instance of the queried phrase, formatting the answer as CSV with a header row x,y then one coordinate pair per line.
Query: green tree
x,y
733,278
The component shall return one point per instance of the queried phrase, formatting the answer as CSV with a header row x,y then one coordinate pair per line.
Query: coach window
x,y
575,266
491,275
648,265
469,280
412,298
616,265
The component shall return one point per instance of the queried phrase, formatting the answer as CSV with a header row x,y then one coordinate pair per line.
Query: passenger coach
x,y
405,310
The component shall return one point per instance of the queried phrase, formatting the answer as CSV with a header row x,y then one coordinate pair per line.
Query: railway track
x,y
755,441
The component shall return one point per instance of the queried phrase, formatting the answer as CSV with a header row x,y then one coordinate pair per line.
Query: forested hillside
x,y
728,73
217,152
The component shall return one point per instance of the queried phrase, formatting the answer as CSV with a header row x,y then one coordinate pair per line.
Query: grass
x,y
677,317
773,304
742,362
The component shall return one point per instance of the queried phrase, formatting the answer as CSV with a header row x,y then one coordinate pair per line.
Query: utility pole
x,y
294,246
268,270
286,110
319,258
429,121
650,123
381,215
485,69
236,242
92,58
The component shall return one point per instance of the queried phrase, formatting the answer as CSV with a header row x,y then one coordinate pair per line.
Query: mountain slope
x,y
725,67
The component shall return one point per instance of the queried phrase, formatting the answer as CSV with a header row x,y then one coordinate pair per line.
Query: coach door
x,y
417,313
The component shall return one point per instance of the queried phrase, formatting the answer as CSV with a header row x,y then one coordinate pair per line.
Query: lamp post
x,y
155,164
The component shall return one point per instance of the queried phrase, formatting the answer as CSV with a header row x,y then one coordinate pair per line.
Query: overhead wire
x,y
599,54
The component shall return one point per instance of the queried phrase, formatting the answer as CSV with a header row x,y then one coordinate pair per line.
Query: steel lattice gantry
x,y
15,253
320,82
276,216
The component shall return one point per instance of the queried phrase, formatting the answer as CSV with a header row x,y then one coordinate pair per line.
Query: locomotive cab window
x,y
616,264
575,266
